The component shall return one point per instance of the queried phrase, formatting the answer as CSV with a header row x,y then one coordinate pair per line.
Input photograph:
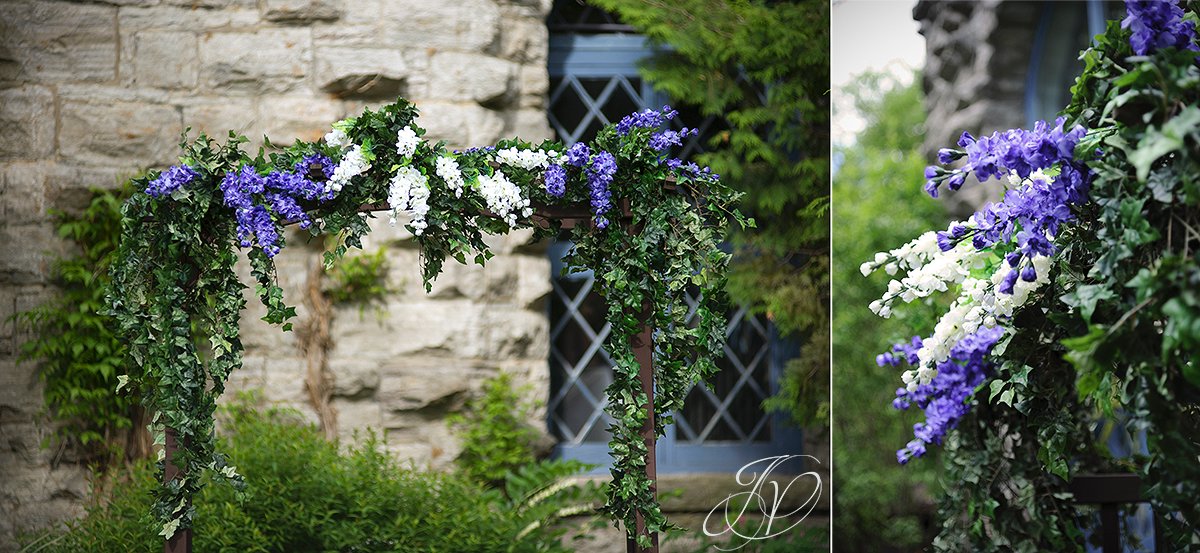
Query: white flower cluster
x,y
353,164
526,159
409,191
504,198
978,305
406,142
337,138
928,268
447,168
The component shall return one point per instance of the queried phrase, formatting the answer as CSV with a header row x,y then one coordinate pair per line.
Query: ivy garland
x,y
177,297
1076,311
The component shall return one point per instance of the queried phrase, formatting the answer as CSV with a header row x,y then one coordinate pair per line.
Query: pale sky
x,y
869,35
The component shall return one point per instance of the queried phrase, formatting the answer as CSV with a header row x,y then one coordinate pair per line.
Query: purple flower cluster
x,y
239,189
1158,24
1019,150
1033,212
599,176
316,167
282,191
946,399
663,140
578,154
556,180
171,180
646,118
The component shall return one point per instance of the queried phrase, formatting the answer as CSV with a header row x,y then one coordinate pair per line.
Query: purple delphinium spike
x,y
946,398
1158,24
599,175
556,180
171,180
578,154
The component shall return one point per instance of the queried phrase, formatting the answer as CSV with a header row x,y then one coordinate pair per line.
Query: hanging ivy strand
x,y
653,227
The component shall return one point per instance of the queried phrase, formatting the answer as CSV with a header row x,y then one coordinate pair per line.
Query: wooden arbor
x,y
643,349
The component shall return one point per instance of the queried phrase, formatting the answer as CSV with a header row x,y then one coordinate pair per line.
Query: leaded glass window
x,y
593,82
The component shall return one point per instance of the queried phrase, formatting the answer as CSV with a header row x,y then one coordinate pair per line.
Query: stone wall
x,y
92,92
976,60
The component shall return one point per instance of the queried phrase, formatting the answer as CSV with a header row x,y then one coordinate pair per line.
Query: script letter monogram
x,y
763,497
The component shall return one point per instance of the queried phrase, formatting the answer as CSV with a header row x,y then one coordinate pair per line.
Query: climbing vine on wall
x,y
79,353
653,230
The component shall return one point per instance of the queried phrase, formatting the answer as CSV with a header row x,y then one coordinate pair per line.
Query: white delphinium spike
x,y
447,168
408,191
406,142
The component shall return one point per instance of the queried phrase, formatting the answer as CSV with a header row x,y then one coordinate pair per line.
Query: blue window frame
x,y
593,81
1063,29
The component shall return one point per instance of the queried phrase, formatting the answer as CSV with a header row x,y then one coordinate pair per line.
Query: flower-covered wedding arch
x,y
647,224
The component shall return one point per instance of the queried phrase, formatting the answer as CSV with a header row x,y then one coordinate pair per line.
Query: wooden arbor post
x,y
181,541
643,351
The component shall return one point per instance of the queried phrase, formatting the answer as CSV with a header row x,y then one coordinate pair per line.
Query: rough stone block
x,y
355,72
26,123
533,286
113,132
283,382
465,26
288,118
523,35
214,5
356,418
534,84
164,59
217,116
432,445
433,385
515,334
22,193
26,251
58,41
187,18
461,125
448,326
267,60
252,376
483,79
355,379
69,186
301,12
27,298
529,124
20,389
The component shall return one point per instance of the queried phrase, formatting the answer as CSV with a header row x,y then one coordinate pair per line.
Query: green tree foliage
x,y
764,67
305,494
878,204
74,343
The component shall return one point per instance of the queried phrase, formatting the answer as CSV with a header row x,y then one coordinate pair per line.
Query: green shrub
x,y
495,435
500,451
304,494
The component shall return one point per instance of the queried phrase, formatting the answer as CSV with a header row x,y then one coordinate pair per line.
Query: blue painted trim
x,y
592,454
596,55
1035,61
1097,22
